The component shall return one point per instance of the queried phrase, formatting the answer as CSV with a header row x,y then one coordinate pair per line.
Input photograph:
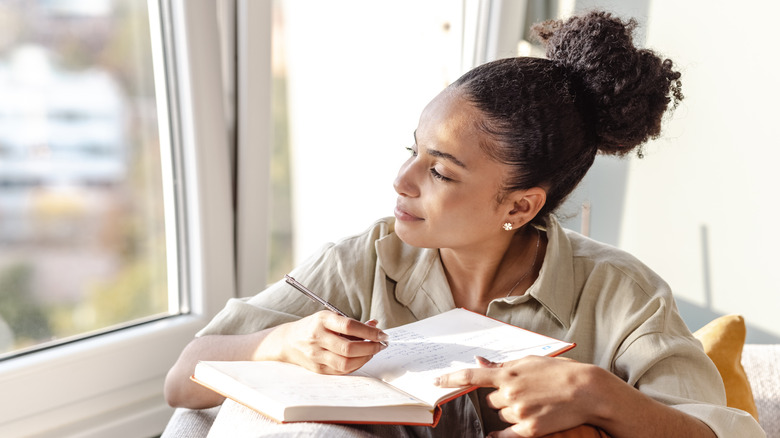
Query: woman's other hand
x,y
537,395
326,343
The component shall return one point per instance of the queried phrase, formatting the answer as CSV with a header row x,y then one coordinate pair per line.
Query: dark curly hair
x,y
595,92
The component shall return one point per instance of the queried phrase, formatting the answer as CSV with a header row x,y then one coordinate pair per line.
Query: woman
x,y
494,155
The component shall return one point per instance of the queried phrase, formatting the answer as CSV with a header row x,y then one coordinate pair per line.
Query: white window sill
x,y
116,386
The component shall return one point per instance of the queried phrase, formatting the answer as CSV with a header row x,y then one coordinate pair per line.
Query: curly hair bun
x,y
624,91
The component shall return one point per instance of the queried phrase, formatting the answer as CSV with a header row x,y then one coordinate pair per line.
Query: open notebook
x,y
395,386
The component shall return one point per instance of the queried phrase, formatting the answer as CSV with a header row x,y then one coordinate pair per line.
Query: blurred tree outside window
x,y
82,229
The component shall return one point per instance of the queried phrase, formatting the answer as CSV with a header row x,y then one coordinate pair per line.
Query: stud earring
x,y
508,226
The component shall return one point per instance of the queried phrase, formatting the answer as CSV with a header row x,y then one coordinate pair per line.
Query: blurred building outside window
x,y
82,229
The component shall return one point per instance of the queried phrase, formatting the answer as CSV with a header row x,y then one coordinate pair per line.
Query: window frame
x,y
112,384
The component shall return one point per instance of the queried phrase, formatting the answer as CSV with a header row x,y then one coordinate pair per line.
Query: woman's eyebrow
x,y
440,154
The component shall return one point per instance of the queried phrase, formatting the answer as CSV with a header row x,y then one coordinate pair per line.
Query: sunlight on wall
x,y
356,91
700,208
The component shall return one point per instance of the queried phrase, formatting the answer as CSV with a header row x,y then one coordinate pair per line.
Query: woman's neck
x,y
477,277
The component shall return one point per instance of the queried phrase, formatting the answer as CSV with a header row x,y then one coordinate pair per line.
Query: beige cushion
x,y
723,339
761,365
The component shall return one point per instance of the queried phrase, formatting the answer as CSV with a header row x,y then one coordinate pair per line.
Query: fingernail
x,y
482,361
383,336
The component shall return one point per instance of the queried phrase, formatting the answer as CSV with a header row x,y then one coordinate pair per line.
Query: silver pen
x,y
305,290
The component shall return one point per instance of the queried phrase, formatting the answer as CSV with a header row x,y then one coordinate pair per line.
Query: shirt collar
x,y
422,286
554,287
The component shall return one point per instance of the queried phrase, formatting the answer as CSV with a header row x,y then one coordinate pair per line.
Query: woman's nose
x,y
404,183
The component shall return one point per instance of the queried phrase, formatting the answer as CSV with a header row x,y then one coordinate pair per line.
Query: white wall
x,y
360,73
700,207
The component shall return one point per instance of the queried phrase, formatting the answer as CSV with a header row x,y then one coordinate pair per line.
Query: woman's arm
x,y
318,342
542,395
180,391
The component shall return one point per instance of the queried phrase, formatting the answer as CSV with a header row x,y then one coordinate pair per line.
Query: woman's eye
x,y
435,173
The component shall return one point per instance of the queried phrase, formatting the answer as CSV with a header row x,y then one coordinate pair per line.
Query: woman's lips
x,y
402,215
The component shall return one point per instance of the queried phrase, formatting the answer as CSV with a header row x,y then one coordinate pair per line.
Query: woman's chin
x,y
410,237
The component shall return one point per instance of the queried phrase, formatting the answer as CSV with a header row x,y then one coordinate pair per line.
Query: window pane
x,y
82,230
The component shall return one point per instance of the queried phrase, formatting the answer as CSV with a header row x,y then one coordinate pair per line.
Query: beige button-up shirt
x,y
621,315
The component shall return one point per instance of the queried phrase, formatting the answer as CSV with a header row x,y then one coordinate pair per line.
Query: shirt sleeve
x,y
664,361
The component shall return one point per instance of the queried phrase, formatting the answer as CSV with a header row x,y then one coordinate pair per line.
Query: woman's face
x,y
448,189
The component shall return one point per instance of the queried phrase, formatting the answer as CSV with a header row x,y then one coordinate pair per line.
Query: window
x,y
161,183
81,173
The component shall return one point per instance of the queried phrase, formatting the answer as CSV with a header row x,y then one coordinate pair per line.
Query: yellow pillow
x,y
722,339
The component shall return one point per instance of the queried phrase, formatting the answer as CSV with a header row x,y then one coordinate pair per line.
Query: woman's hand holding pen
x,y
327,343
316,342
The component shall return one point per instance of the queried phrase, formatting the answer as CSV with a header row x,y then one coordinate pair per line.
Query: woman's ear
x,y
527,204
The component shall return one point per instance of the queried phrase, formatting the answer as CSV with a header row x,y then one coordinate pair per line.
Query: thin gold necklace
x,y
531,268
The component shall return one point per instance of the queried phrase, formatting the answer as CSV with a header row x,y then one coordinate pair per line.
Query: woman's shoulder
x,y
614,264
621,291
587,249
600,252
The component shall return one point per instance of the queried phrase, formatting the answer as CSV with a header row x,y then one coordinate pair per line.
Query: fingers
x,y
505,433
581,431
331,363
468,377
354,328
332,344
485,363
348,346
496,400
